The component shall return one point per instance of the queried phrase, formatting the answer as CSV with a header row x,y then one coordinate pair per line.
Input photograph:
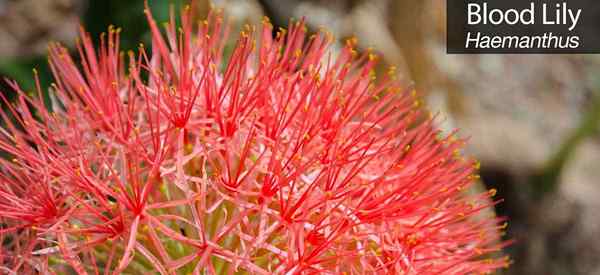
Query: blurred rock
x,y
580,188
519,109
26,26
241,11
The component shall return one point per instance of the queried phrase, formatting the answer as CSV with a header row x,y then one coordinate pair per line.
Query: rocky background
x,y
533,119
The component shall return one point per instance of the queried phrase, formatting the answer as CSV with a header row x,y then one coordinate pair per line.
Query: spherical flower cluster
x,y
281,158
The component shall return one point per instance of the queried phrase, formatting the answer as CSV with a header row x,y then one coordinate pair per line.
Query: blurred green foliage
x,y
128,15
20,70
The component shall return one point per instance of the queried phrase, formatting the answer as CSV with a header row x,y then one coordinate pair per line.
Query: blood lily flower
x,y
282,158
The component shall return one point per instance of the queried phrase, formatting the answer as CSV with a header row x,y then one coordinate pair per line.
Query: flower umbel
x,y
282,158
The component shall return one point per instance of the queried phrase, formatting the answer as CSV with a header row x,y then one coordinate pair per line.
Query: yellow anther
x,y
392,70
412,239
372,57
350,42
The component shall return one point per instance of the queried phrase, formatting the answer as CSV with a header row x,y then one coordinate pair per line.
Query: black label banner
x,y
521,26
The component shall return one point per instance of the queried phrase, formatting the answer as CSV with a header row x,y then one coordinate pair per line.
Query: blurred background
x,y
532,119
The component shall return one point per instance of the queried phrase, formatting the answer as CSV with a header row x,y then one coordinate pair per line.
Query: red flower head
x,y
282,158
